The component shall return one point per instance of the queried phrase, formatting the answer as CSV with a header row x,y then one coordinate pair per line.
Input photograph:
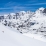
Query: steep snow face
x,y
39,12
10,38
39,15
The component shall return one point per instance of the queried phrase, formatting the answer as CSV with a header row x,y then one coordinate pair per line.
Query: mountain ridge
x,y
26,22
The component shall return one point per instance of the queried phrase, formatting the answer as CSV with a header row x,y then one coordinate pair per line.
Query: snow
x,y
22,12
35,36
41,8
11,38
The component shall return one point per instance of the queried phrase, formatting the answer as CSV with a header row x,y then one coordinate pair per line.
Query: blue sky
x,y
8,6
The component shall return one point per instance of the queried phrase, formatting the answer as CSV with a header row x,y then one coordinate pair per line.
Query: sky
x,y
9,6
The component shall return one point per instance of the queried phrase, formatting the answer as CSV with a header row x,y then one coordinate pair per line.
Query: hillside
x,y
11,38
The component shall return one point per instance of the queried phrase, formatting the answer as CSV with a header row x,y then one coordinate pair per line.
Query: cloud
x,y
37,4
31,1
5,8
11,4
14,7
17,6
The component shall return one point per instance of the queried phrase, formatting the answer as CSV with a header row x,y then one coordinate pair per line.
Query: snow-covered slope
x,y
11,38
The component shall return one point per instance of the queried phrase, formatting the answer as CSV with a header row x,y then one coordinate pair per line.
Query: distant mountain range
x,y
24,22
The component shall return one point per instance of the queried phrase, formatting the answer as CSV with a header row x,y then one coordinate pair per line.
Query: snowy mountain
x,y
26,22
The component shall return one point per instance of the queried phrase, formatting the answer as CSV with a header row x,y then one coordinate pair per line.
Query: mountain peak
x,y
41,9
22,11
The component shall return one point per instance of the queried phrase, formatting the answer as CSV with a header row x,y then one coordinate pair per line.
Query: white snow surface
x,y
11,38
35,36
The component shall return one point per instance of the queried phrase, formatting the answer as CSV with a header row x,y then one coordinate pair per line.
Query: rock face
x,y
44,10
